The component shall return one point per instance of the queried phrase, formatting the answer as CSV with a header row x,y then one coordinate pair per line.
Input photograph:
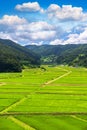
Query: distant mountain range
x,y
13,56
71,54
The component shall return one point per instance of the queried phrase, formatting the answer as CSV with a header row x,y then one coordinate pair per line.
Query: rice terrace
x,y
38,99
43,65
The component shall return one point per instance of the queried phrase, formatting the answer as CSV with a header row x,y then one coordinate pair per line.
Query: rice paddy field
x,y
38,99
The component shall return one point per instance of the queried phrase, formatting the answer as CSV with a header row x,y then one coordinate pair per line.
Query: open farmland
x,y
39,99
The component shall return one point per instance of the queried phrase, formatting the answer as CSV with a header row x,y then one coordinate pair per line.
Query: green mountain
x,y
74,57
71,54
13,56
46,50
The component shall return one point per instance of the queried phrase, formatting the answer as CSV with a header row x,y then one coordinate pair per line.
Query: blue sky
x,y
44,22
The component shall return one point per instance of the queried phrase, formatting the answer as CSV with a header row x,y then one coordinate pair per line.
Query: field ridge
x,y
12,105
20,123
78,118
57,95
51,81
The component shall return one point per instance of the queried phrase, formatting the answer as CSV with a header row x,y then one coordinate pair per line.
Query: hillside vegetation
x,y
14,56
71,54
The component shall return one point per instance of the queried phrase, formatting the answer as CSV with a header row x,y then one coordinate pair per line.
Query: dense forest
x,y
70,54
13,57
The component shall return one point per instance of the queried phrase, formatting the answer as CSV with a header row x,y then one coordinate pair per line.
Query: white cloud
x,y
43,35
36,43
12,20
56,42
37,36
36,31
4,35
20,30
66,13
35,26
9,26
77,38
8,36
29,7
72,39
43,30
53,8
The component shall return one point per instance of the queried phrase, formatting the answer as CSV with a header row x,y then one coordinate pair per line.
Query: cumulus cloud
x,y
41,25
72,39
56,42
5,36
36,26
36,31
12,20
77,38
66,13
29,7
43,35
9,25
67,25
20,30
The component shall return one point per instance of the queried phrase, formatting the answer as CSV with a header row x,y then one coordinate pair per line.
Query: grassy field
x,y
38,99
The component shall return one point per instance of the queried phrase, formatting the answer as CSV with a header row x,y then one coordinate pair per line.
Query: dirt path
x,y
51,81
2,84
23,99
78,118
13,105
63,69
20,123
15,120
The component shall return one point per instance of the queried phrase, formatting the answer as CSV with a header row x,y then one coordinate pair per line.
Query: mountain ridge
x,y
71,54
12,54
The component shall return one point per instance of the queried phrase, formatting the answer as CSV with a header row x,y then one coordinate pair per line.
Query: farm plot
x,y
55,98
44,122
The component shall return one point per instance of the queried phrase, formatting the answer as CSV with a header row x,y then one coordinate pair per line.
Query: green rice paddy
x,y
55,99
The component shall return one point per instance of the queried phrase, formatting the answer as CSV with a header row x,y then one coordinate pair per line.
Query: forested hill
x,y
13,56
71,54
46,50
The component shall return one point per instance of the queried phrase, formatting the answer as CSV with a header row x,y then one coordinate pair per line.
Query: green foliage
x,y
74,57
14,56
71,54
10,65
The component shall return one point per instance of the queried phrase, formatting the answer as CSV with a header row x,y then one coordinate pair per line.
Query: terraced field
x,y
38,99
